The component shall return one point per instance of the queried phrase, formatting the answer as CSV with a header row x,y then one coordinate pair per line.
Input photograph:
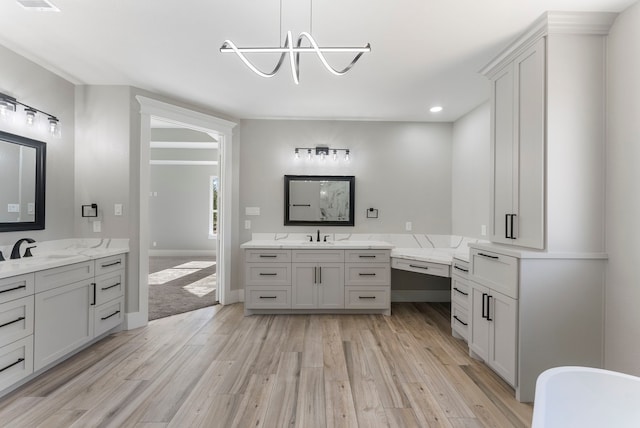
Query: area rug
x,y
180,284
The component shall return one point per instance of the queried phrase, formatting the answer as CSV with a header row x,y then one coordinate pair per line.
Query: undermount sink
x,y
40,259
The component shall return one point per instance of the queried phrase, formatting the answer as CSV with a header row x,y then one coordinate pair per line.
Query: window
x,y
213,206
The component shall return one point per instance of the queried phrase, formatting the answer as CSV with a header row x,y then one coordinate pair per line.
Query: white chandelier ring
x,y
294,55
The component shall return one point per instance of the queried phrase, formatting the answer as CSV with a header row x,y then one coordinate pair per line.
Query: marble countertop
x,y
51,254
287,244
433,255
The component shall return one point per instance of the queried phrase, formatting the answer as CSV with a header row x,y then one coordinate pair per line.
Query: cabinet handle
x,y
506,226
268,297
460,291
513,234
268,256
489,256
109,316
459,268
13,289
300,205
484,305
315,274
111,264
365,256
268,274
460,321
489,308
320,274
94,294
11,365
111,286
12,322
419,267
366,297
367,274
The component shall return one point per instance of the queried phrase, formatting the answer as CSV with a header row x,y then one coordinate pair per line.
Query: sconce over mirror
x,y
319,200
22,183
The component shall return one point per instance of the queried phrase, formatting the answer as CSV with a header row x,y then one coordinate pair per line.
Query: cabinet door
x,y
303,290
502,152
63,321
503,311
479,328
330,286
530,164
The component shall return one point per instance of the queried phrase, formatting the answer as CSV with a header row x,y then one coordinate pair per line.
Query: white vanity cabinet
x,y
318,278
109,293
460,297
267,279
16,328
367,279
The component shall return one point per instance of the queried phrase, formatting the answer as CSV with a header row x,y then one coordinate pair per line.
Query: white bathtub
x,y
585,397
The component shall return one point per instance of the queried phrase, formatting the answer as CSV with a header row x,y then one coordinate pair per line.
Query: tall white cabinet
x,y
544,308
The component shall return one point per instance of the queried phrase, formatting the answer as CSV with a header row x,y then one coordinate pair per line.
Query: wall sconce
x,y
9,108
322,152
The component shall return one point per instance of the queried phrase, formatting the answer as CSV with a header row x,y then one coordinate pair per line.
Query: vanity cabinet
x,y
109,293
460,297
317,280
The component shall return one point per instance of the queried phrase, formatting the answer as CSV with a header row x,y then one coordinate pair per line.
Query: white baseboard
x,y
182,253
420,295
135,320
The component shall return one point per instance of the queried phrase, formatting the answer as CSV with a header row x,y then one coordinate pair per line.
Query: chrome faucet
x,y
15,252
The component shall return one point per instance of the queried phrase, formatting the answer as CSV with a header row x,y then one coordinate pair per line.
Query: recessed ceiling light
x,y
435,109
38,5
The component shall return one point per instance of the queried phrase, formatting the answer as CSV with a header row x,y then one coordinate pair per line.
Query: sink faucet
x,y
15,252
318,236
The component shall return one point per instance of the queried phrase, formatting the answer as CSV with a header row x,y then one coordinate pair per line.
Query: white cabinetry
x,y
460,298
109,293
267,279
318,278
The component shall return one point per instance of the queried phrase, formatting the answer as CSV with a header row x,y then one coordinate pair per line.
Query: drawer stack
x,y
268,279
367,279
109,293
460,292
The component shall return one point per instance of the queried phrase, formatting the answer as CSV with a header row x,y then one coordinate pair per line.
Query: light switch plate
x,y
97,226
408,226
117,209
247,224
483,230
252,210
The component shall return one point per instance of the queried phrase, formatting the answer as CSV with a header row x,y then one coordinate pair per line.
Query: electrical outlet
x,y
117,209
408,226
483,230
247,224
97,226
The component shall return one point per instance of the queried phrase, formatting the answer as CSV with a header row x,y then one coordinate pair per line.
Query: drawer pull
x,y
366,297
489,297
268,297
11,365
111,286
365,256
268,274
12,322
366,274
268,256
94,294
111,264
460,321
419,267
459,268
300,205
489,256
460,291
109,316
13,289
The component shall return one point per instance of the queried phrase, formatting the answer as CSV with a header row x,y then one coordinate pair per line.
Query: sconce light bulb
x,y
309,154
347,156
297,154
322,156
335,155
53,125
30,115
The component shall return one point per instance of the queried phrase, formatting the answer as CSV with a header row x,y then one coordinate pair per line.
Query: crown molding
x,y
552,22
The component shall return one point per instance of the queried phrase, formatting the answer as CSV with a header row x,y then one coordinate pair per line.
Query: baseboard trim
x,y
135,320
182,253
420,295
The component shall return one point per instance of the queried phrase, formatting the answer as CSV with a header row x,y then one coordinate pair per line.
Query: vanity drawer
x,y
16,361
267,256
460,291
460,320
495,271
366,256
108,316
63,275
16,287
460,268
268,298
16,320
109,286
110,264
429,268
367,274
361,297
317,256
268,274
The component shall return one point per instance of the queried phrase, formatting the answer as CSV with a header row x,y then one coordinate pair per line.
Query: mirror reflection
x,y
319,200
22,180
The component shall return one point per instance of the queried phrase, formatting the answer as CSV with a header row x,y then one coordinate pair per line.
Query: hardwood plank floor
x,y
216,368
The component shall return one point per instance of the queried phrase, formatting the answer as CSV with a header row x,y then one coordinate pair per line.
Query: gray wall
x,y
401,168
33,85
471,165
622,325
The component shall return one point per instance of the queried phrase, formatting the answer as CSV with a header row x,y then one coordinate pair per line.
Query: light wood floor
x,y
216,368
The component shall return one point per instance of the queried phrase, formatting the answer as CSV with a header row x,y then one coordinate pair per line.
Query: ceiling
x,y
424,52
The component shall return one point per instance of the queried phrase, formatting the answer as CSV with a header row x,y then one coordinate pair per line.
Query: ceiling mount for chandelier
x,y
294,52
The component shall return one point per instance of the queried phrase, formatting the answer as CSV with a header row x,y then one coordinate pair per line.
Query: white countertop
x,y
286,244
51,254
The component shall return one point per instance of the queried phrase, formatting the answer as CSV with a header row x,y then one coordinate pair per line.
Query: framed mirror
x,y
319,200
22,183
